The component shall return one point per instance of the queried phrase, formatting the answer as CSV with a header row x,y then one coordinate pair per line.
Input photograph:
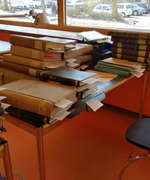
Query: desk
x,y
4,154
40,132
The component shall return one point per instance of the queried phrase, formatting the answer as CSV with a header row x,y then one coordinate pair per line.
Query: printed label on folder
x,y
94,104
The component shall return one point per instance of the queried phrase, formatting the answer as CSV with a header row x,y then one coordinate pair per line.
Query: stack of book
x,y
41,103
38,102
83,82
121,67
81,54
131,46
102,45
30,55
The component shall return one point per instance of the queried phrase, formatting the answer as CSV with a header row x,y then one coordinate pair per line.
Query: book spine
x,y
130,35
132,58
130,46
21,68
132,41
120,72
28,103
35,54
75,52
131,52
22,41
32,118
45,76
116,65
24,61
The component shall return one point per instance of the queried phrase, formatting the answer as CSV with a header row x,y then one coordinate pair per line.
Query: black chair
x,y
137,134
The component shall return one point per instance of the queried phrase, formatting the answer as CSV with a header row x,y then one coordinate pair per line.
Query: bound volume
x,y
36,54
32,62
66,76
44,43
36,96
21,68
30,117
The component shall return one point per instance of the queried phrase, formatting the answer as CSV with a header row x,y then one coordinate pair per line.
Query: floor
x,y
90,146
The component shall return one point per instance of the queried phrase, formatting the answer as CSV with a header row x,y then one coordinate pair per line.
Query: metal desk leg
x,y
40,148
143,93
7,163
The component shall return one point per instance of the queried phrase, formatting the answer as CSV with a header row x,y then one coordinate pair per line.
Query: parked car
x,y
106,8
125,12
136,10
17,7
102,8
143,5
75,3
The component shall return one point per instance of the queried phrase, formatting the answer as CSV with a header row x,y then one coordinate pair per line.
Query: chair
x,y
137,134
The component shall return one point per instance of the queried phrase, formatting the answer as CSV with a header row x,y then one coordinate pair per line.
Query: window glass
x,y
29,10
128,14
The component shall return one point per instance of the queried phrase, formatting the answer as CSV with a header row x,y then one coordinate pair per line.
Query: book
x,y
82,104
131,52
66,76
36,54
78,50
36,96
81,59
42,43
9,75
130,35
103,76
30,117
32,62
130,46
93,36
131,58
125,63
21,68
113,68
131,41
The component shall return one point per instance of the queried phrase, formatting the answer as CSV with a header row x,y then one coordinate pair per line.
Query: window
x,y
102,14
26,11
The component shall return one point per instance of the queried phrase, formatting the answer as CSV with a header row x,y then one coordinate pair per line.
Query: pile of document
x,y
102,44
40,102
121,67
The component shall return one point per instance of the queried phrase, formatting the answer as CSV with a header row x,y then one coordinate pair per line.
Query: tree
x,y
115,14
114,9
6,5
